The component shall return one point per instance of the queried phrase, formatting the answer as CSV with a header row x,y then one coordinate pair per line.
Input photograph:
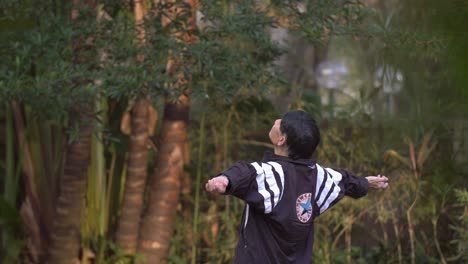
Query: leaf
x,y
152,119
125,125
412,155
388,20
393,154
425,150
125,122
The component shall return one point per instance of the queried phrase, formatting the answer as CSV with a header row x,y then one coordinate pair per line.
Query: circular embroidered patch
x,y
304,207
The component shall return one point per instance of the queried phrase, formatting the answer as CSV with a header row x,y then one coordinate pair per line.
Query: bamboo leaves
x,y
415,161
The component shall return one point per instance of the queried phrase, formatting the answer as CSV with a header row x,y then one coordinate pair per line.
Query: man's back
x,y
286,192
284,235
283,197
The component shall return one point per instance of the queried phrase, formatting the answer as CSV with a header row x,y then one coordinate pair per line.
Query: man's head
x,y
297,133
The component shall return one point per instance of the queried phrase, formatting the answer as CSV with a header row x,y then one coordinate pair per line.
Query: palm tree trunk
x,y
158,223
132,204
65,235
66,228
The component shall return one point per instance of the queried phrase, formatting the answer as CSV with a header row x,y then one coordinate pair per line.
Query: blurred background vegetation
x,y
115,113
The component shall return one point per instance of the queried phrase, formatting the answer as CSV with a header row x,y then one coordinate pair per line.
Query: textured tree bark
x,y
158,222
66,228
65,237
132,203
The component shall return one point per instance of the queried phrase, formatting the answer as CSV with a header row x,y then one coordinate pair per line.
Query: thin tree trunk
x,y
411,236
435,220
71,200
158,222
348,243
411,229
66,228
132,204
397,237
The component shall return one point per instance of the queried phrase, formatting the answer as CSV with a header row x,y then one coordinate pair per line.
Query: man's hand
x,y
217,184
377,182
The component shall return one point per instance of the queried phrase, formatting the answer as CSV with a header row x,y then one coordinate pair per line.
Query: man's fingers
x,y
210,186
214,185
378,182
381,178
383,185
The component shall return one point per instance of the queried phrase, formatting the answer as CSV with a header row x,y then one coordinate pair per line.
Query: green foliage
x,y
317,21
115,254
13,241
231,70
234,53
28,74
461,228
121,76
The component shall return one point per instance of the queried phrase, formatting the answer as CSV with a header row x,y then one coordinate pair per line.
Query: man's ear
x,y
281,141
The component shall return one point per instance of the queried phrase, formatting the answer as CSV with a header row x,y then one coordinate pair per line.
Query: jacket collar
x,y
269,156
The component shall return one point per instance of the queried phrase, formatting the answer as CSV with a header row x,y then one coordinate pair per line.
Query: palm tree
x,y
132,203
158,221
65,234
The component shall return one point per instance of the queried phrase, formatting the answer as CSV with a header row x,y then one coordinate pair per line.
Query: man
x,y
286,192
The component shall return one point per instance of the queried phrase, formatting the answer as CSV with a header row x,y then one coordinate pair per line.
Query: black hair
x,y
302,134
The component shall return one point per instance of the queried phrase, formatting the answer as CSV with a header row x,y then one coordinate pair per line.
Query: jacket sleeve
x,y
332,185
259,184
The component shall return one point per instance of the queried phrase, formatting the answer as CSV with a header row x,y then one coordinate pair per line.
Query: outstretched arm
x,y
259,184
377,182
333,184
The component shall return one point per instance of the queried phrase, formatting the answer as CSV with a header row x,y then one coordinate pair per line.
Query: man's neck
x,y
281,152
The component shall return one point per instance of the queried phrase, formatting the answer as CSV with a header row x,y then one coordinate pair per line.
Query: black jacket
x,y
283,197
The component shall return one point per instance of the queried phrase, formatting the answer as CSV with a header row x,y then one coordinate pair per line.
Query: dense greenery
x,y
238,87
